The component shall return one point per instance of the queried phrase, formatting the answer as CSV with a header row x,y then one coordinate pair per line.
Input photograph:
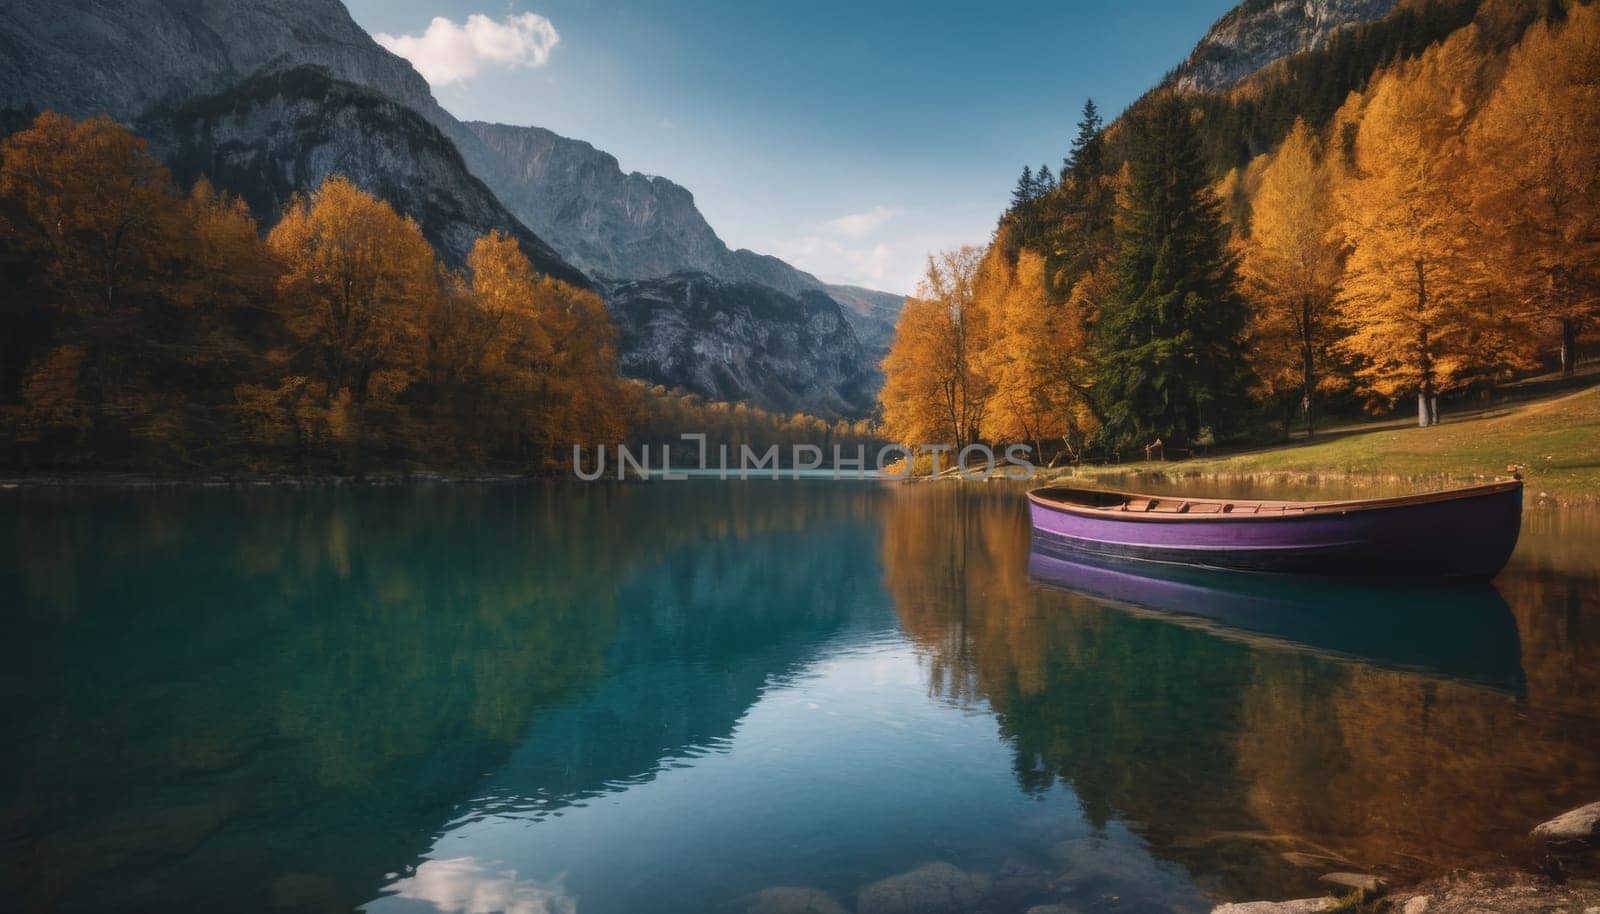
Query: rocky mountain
x,y
631,226
269,97
266,98
871,313
1257,32
742,341
613,224
275,134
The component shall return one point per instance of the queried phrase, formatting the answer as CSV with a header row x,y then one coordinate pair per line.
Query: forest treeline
x,y
1438,232
149,329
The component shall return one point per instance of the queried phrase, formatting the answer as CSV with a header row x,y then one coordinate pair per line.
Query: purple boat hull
x,y
1468,533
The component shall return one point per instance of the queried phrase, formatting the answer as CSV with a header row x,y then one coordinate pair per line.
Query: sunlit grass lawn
x,y
1558,440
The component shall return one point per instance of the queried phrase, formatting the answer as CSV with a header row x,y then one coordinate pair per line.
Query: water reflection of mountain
x,y
222,695
704,633
1254,766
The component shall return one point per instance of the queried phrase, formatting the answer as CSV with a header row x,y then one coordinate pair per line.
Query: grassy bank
x,y
1557,440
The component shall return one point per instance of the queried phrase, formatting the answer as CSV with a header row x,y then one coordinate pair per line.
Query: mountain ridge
x,y
1257,33
616,225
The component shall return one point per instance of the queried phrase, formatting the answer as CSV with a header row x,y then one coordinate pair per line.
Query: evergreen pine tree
x,y
1023,194
1079,235
1087,155
1170,335
1044,181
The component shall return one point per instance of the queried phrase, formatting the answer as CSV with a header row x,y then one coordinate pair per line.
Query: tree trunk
x,y
1569,346
1422,409
1308,364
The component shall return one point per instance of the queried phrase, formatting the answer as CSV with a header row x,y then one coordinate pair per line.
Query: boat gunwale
x,y
1041,497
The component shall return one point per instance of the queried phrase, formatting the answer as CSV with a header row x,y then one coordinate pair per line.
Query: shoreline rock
x,y
1581,824
1296,906
1365,882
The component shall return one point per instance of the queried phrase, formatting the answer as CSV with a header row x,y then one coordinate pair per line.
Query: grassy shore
x,y
1557,440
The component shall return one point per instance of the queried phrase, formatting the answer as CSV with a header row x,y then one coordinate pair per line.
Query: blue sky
x,y
849,138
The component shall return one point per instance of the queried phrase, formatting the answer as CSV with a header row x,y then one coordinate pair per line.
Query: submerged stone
x,y
785,899
933,888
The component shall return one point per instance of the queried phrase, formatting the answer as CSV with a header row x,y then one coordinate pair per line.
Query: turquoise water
x,y
761,696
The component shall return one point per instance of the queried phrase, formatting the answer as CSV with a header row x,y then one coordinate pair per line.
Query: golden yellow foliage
x,y
101,211
1036,358
1408,280
548,355
358,281
935,390
228,264
1290,265
1535,148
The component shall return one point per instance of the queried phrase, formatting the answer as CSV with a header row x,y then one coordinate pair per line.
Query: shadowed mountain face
x,y
274,135
741,341
1257,32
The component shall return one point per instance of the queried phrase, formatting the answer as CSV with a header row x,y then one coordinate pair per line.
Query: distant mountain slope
x,y
614,224
873,315
631,226
264,97
742,341
1257,32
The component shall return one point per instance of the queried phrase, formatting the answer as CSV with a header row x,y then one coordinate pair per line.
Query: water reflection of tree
x,y
286,693
1251,765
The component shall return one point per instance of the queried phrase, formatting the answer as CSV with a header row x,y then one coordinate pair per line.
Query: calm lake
x,y
764,696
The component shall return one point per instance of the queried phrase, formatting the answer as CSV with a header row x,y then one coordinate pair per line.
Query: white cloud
x,y
464,886
861,225
852,249
836,261
449,53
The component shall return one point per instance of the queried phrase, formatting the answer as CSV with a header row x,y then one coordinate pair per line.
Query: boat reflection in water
x,y
1464,631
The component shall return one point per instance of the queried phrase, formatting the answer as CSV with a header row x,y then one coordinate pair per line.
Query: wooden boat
x,y
1458,533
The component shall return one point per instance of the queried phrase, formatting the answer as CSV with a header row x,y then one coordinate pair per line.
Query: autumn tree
x,y
548,356
1170,333
99,210
935,390
1036,359
225,294
1407,283
1535,152
99,216
1290,266
358,282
